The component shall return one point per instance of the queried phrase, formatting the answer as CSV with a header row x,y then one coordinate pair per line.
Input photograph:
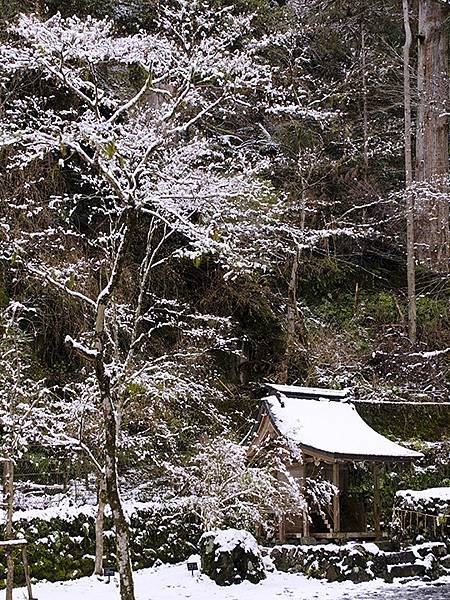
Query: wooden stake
x,y
26,571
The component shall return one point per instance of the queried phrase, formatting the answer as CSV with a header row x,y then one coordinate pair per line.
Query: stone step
x,y
397,558
387,545
406,570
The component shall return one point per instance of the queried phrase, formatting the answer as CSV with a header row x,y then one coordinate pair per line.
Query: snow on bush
x,y
434,501
424,513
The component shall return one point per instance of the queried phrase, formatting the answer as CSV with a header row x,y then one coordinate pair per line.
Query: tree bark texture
x,y
410,254
99,522
109,419
112,487
432,155
365,104
291,319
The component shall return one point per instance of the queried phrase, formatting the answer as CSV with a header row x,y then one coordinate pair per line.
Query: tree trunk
x,y
99,521
410,259
110,428
109,419
112,487
365,107
432,232
291,319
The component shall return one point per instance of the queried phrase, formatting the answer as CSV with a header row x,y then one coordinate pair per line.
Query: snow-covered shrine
x,y
332,440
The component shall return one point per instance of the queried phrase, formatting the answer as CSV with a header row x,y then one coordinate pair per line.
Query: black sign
x,y
192,566
108,572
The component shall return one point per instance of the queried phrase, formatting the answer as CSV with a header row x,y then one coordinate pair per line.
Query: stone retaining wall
x,y
361,562
63,547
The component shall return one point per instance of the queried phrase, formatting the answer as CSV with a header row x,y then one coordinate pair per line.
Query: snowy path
x,y
174,583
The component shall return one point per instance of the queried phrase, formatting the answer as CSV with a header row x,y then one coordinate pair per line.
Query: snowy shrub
x,y
228,490
424,513
27,405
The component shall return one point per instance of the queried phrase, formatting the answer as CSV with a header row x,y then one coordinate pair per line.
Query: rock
x,y
379,565
289,559
359,575
405,570
333,573
435,548
269,567
404,556
231,556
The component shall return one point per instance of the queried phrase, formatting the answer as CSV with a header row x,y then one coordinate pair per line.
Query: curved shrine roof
x,y
331,427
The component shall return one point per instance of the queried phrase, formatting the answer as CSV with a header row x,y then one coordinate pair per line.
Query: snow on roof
x,y
332,428
306,392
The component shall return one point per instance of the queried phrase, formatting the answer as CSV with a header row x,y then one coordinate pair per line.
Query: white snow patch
x,y
228,539
442,493
174,582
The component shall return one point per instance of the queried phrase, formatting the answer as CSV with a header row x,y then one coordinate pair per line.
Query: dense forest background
x,y
197,197
327,309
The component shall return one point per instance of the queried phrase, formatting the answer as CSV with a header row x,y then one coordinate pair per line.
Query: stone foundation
x,y
362,562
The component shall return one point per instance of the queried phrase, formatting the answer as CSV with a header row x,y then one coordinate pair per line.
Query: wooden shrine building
x,y
332,439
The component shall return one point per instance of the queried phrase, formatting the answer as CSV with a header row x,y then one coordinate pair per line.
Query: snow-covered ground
x,y
173,582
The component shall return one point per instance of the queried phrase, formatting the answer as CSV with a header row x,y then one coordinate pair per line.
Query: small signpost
x,y
108,572
192,566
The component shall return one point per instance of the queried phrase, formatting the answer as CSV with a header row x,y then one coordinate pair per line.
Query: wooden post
x,y
8,493
376,499
336,502
26,571
305,521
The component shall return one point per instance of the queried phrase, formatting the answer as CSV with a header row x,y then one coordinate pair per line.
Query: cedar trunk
x,y
432,227
291,319
410,254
